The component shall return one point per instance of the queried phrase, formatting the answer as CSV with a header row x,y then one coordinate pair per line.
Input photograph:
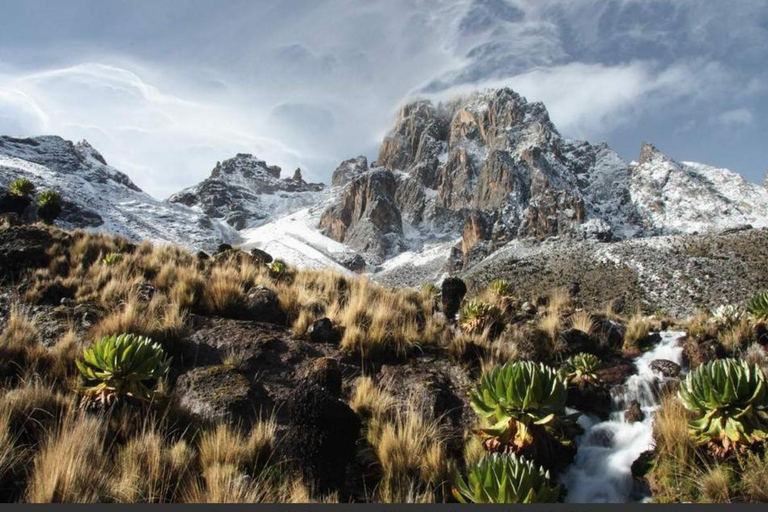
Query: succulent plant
x,y
475,316
758,307
581,369
122,365
21,187
277,269
48,205
517,398
729,401
112,259
500,287
726,315
506,478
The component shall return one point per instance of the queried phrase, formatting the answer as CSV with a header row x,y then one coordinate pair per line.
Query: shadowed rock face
x,y
366,217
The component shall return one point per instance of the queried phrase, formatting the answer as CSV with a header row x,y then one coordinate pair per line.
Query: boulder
x,y
578,341
263,305
634,412
216,393
321,436
453,291
591,399
612,332
322,331
352,261
697,352
667,368
22,248
261,257
326,372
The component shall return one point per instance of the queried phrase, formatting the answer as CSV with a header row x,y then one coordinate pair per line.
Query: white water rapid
x,y
601,472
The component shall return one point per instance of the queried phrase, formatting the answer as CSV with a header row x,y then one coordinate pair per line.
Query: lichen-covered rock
x,y
263,305
216,393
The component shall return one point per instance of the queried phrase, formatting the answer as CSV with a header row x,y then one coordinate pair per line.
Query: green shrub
x,y
124,365
516,399
21,187
506,478
729,401
49,205
758,307
475,316
278,270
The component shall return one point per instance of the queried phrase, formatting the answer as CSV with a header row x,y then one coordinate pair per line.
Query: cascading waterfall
x,y
601,472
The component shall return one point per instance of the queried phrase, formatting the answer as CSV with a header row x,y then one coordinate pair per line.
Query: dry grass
x,y
157,319
226,445
583,321
72,465
754,477
738,336
411,454
148,469
559,301
551,325
715,484
638,328
371,402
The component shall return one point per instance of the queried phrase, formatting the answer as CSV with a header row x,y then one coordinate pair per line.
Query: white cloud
x,y
735,117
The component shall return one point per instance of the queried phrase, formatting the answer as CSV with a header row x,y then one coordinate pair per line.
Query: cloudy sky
x,y
164,89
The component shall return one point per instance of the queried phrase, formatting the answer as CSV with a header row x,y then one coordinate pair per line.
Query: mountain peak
x,y
649,152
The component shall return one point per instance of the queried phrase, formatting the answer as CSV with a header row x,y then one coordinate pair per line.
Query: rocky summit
x,y
244,191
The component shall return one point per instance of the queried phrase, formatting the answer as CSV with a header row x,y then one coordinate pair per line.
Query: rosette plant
x,y
758,307
124,365
475,316
519,401
506,478
581,369
500,287
729,402
49,205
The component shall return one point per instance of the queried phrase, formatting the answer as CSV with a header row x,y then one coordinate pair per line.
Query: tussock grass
x,y
583,321
638,328
72,465
371,402
226,445
715,484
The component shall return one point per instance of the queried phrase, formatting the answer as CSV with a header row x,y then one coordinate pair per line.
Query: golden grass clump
x,y
715,484
72,465
638,328
157,319
226,445
371,402
412,457
583,321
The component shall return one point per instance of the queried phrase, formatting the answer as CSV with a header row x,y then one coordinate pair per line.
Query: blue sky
x,y
164,89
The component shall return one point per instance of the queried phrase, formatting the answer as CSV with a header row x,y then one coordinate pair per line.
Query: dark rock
x,y
649,341
634,412
263,305
579,341
528,310
452,293
321,438
203,256
216,393
222,248
643,464
322,331
666,367
56,292
23,248
601,437
591,399
615,372
261,257
352,261
612,332
11,203
326,372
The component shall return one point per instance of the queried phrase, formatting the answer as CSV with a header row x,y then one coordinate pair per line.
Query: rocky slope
x,y
98,196
245,192
491,167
